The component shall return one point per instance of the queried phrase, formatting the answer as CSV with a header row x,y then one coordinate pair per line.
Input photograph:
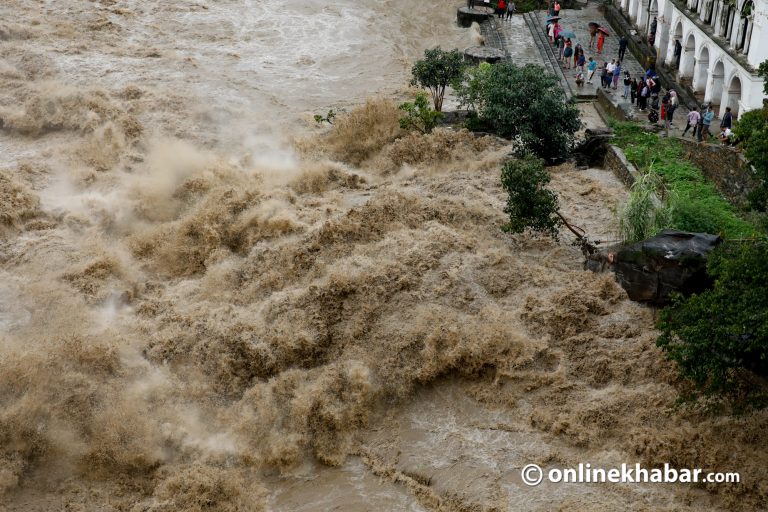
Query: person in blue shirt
x,y
591,67
706,121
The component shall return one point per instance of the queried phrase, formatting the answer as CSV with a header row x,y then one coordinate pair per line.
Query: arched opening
x,y
672,57
653,12
726,21
642,15
732,97
715,86
687,59
701,69
632,9
745,27
709,9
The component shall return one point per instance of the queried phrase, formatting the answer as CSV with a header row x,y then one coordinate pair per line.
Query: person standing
x,y
627,85
471,4
706,121
501,9
557,8
600,42
616,74
623,46
578,51
693,121
567,54
673,103
510,10
652,31
591,67
665,103
604,76
642,95
678,53
727,120
633,90
581,62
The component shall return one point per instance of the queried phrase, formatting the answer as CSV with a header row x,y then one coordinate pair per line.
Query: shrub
x,y
530,205
436,71
419,115
524,102
720,337
752,134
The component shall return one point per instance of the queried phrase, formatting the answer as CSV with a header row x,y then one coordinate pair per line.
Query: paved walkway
x,y
578,22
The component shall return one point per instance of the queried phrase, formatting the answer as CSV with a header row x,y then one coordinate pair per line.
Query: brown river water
x,y
209,303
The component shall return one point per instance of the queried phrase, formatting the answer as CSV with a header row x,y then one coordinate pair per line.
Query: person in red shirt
x,y
557,8
501,9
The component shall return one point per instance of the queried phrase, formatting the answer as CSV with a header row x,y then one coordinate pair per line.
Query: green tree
x,y
762,71
530,205
752,133
436,71
720,337
524,102
419,115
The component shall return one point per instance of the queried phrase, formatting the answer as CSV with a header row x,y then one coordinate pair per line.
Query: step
x,y
551,62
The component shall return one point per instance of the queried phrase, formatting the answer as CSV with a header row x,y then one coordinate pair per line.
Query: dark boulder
x,y
672,261
591,151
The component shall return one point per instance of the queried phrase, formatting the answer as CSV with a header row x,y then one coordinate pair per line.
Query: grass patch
x,y
695,203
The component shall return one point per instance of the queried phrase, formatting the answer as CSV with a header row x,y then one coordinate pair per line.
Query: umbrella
x,y
568,34
594,24
552,18
603,30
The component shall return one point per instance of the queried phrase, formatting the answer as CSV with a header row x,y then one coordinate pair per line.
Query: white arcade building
x,y
722,42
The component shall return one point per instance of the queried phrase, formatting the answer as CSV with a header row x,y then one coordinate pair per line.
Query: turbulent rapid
x,y
209,302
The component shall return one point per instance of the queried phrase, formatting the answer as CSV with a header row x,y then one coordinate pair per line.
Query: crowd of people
x,y
644,91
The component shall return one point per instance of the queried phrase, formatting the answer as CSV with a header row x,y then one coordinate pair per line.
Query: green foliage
x,y
762,71
419,115
436,71
752,134
694,202
647,210
328,118
470,93
523,102
719,338
529,205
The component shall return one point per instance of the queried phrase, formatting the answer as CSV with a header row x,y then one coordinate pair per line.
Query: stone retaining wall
x,y
616,161
727,168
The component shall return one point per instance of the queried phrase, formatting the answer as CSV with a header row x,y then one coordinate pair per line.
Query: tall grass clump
x,y
647,211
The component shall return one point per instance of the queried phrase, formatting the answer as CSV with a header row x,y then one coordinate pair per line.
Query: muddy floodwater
x,y
209,302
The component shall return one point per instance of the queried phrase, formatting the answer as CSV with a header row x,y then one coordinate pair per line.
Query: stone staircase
x,y
548,57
